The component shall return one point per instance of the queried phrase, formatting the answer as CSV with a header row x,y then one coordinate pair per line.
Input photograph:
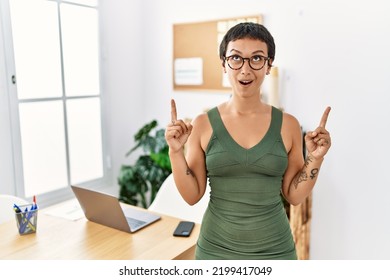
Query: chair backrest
x,y
7,202
168,201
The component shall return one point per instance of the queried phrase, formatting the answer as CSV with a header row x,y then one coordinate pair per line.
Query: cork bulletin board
x,y
196,63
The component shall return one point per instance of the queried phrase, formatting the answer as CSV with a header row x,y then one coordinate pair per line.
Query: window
x,y
52,50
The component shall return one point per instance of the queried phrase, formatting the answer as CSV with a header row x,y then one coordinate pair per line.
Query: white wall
x,y
122,76
329,53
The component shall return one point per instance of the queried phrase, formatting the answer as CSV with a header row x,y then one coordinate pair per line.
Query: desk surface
x,y
59,238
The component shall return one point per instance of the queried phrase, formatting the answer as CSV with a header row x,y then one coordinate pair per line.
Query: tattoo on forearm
x,y
308,160
189,172
313,173
302,177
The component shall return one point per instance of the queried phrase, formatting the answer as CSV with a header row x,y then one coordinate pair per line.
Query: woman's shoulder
x,y
201,129
290,125
201,120
290,120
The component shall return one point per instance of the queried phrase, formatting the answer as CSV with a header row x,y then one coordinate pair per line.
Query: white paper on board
x,y
189,71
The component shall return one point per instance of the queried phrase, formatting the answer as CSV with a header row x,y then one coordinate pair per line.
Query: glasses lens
x,y
235,62
257,62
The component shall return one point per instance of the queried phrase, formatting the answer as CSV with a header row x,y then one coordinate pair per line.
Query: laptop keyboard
x,y
134,222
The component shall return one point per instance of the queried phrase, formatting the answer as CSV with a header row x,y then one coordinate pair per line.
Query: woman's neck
x,y
245,106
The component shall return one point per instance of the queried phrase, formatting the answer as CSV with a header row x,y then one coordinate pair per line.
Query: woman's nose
x,y
245,67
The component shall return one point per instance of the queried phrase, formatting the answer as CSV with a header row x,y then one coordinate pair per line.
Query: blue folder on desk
x,y
106,210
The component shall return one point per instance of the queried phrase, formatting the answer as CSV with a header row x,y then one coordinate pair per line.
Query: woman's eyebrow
x,y
259,51
234,50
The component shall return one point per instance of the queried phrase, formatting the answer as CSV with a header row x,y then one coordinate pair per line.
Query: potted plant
x,y
139,183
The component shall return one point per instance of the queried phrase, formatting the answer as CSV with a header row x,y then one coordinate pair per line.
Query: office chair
x,y
6,206
169,202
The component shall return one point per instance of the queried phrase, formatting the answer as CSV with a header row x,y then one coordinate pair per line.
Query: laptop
x,y
106,210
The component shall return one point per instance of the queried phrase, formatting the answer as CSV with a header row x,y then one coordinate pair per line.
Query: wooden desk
x,y
59,238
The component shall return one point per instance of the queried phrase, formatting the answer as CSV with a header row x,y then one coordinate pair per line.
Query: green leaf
x,y
162,160
150,170
142,138
145,130
161,143
148,144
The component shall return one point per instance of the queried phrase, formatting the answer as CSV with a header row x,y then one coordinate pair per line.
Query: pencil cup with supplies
x,y
26,218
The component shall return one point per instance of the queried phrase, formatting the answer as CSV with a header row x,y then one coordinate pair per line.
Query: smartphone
x,y
184,229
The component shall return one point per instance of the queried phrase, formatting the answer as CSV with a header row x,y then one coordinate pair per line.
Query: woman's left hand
x,y
318,141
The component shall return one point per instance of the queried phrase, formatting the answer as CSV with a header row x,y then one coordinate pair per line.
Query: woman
x,y
251,152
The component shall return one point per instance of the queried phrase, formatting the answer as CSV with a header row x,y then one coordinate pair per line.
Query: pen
x,y
23,220
17,209
35,203
33,207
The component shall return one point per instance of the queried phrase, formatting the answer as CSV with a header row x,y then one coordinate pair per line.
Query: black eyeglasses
x,y
256,62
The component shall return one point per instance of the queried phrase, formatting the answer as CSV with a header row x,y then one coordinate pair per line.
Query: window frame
x,y
64,192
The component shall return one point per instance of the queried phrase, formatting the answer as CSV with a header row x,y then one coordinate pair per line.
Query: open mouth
x,y
245,83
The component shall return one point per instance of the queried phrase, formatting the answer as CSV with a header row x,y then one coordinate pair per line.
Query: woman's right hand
x,y
177,132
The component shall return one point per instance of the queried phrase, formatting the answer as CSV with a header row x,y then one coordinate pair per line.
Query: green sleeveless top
x,y
245,218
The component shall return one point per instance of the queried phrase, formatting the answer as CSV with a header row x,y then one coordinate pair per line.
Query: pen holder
x,y
27,220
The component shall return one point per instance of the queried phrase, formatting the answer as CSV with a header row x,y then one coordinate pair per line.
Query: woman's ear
x,y
223,66
269,66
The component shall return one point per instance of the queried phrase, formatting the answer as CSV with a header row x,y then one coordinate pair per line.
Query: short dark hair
x,y
249,30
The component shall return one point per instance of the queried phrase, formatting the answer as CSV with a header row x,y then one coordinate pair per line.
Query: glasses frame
x,y
266,59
